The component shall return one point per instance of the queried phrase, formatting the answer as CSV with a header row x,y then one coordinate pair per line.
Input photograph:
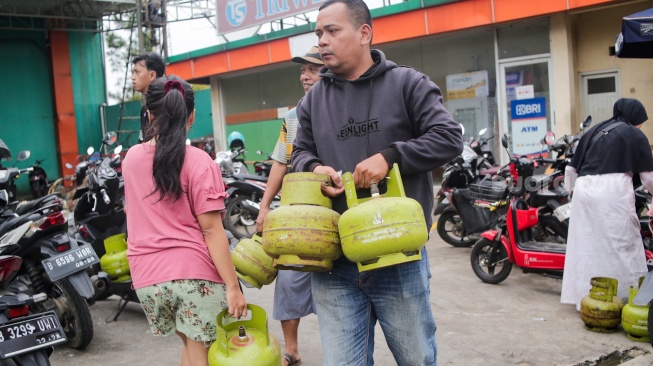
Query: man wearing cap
x,y
292,293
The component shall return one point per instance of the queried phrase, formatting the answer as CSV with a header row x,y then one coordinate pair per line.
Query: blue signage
x,y
528,108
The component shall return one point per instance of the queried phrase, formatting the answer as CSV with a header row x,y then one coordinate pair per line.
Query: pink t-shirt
x,y
165,241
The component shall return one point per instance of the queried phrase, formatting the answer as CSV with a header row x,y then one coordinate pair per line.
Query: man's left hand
x,y
372,169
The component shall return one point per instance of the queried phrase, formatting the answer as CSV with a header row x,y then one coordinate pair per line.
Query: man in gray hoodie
x,y
366,114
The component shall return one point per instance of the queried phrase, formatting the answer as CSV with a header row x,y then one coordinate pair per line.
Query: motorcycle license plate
x,y
70,262
30,333
563,212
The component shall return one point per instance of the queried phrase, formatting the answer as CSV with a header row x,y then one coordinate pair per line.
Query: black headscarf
x,y
624,149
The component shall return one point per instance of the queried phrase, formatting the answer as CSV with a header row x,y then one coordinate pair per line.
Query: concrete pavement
x,y
518,322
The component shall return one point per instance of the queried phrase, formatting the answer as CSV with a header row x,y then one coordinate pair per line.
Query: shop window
x,y
601,85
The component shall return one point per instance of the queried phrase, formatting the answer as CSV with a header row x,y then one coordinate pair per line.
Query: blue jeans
x,y
349,303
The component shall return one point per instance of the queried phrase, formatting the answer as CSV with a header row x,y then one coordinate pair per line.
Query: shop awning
x,y
636,37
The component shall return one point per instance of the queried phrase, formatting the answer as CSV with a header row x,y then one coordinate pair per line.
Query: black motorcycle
x,y
53,264
26,338
99,214
38,180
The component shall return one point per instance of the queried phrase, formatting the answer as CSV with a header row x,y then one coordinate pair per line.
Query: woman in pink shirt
x,y
178,250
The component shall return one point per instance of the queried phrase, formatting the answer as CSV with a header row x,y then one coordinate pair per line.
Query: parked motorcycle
x,y
231,162
26,337
38,180
512,242
461,223
8,175
53,263
263,168
100,216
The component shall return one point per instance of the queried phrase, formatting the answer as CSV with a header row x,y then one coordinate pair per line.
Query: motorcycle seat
x,y
31,205
255,177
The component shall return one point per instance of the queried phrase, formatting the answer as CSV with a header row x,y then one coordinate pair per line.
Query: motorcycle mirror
x,y
23,155
187,141
90,150
550,138
462,128
482,132
504,141
110,138
69,166
118,149
587,122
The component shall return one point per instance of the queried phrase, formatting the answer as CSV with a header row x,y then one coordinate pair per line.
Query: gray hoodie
x,y
394,110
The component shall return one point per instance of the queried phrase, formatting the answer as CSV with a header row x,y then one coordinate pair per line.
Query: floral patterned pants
x,y
187,306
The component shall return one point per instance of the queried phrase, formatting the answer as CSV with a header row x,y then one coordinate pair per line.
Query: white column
x,y
217,115
563,89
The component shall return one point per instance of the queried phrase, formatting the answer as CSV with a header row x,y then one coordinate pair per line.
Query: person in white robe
x,y
604,234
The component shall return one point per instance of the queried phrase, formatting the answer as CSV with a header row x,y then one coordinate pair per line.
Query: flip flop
x,y
292,361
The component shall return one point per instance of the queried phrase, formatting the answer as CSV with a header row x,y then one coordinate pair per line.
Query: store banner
x,y
233,15
468,85
528,126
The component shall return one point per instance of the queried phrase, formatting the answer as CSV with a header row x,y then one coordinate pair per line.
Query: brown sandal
x,y
292,361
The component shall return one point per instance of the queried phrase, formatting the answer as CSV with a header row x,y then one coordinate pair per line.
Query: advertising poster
x,y
528,126
468,85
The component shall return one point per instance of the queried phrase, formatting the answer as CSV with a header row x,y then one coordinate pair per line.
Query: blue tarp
x,y
636,37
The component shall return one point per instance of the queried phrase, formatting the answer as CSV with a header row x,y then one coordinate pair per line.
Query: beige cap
x,y
313,56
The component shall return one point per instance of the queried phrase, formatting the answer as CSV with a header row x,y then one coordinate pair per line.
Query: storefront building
x,y
511,66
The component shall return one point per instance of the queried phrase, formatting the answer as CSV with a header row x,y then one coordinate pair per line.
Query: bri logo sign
x,y
528,108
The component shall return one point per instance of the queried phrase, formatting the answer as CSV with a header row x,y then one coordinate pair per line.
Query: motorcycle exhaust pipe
x,y
100,282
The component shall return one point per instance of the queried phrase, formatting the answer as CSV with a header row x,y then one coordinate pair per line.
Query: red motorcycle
x,y
511,242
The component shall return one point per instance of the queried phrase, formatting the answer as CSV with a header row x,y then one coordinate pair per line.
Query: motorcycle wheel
x,y
74,314
550,229
451,229
489,270
237,219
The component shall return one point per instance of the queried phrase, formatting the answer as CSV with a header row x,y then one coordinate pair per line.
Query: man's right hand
x,y
261,218
337,188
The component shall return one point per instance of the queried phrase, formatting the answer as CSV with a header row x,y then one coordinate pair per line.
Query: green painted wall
x,y
261,135
87,71
26,113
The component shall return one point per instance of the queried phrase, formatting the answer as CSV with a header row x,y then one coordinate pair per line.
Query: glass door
x,y
525,104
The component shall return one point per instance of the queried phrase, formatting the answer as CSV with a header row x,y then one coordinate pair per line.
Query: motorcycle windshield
x,y
468,154
4,151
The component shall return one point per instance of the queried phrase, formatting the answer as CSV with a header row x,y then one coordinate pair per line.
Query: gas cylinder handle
x,y
259,320
395,187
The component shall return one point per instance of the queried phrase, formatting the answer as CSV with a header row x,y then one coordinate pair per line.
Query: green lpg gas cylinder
x,y
114,262
634,318
382,231
253,265
244,342
302,238
601,310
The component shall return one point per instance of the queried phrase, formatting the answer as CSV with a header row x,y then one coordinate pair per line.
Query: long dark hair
x,y
171,101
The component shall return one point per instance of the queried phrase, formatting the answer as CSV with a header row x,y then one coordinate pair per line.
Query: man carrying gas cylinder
x,y
364,116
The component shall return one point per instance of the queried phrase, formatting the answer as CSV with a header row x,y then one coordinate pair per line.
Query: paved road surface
x,y
519,322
